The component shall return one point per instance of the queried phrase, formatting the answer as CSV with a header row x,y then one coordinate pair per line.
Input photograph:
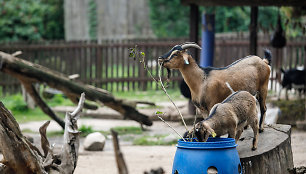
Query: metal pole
x,y
194,29
208,40
253,30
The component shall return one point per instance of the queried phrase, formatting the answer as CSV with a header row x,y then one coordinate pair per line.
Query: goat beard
x,y
168,74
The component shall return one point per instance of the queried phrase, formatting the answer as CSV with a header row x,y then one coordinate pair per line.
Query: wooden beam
x,y
245,2
194,29
253,30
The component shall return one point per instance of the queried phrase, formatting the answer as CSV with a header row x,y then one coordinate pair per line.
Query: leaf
x,y
143,54
213,134
158,112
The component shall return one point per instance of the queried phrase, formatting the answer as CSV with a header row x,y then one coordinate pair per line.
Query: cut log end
x,y
273,154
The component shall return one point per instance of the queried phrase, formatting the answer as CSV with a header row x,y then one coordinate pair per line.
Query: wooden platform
x,y
273,155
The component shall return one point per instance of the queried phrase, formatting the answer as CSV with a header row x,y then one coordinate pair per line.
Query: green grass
x,y
127,130
22,113
85,130
19,109
152,140
55,133
49,133
152,95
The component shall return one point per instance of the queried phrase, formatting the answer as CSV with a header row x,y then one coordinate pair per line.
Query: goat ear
x,y
210,130
185,56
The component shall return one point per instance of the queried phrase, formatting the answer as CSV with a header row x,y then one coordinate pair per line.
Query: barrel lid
x,y
211,143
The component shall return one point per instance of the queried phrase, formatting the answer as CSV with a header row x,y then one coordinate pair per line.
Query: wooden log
x,y
18,156
22,157
29,72
273,155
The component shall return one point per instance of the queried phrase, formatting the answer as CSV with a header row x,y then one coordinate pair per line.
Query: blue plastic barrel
x,y
196,157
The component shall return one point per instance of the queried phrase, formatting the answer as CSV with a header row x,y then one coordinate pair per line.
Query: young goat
x,y
230,117
207,85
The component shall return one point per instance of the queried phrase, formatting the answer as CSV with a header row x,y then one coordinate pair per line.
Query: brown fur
x,y
249,74
230,117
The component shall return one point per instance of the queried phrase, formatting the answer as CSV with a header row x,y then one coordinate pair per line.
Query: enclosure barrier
x,y
106,64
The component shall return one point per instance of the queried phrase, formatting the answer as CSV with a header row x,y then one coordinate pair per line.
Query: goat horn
x,y
190,45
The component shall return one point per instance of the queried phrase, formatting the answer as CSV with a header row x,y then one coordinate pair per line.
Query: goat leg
x,y
255,128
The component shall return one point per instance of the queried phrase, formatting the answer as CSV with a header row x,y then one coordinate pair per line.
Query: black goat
x,y
293,78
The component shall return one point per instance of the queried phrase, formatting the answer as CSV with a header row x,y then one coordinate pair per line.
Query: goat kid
x,y
230,117
207,85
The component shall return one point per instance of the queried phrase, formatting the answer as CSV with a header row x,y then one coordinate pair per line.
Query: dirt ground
x,y
143,158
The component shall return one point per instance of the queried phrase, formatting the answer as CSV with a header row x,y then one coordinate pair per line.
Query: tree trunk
x,y
273,155
21,157
30,73
17,154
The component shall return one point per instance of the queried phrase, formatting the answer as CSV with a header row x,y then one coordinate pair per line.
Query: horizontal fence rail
x,y
107,64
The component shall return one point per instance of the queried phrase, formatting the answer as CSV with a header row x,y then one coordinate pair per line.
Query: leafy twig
x,y
134,53
164,89
157,113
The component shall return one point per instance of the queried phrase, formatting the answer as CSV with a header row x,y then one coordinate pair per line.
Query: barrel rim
x,y
211,143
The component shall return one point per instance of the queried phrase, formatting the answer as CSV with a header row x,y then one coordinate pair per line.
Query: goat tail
x,y
229,87
267,56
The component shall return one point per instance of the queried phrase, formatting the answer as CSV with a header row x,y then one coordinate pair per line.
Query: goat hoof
x,y
254,148
261,130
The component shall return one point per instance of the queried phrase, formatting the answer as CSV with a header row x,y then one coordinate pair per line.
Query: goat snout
x,y
161,60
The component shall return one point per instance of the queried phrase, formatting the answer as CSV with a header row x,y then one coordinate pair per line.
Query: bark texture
x,y
273,155
21,157
28,73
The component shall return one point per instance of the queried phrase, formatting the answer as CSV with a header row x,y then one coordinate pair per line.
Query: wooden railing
x,y
107,64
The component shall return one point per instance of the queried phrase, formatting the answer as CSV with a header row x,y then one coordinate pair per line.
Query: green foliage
x,y
15,103
230,19
19,104
85,130
31,20
53,20
59,99
93,23
171,19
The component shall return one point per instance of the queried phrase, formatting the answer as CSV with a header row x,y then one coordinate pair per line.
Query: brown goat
x,y
230,117
207,85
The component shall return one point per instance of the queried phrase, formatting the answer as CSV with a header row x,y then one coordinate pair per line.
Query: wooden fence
x,y
107,64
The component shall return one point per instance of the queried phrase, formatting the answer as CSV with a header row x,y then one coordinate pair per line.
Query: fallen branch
x,y
30,73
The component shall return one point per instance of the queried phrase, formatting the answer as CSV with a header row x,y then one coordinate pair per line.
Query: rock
x,y
94,142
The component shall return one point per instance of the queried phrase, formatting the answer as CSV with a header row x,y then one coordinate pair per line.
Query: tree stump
x,y
273,155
